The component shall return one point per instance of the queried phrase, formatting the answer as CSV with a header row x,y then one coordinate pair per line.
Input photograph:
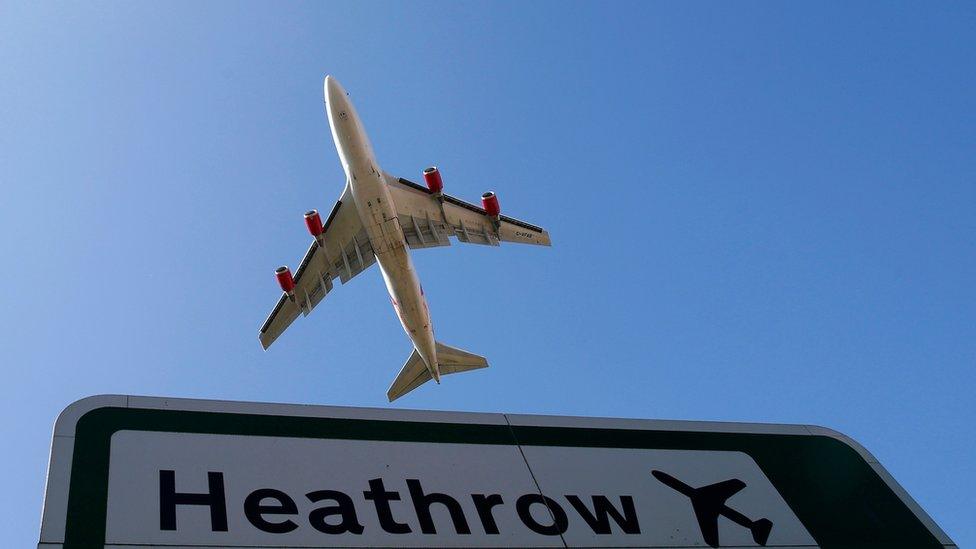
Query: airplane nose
x,y
332,88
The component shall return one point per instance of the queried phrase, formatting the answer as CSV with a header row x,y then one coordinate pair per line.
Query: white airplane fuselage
x,y
378,213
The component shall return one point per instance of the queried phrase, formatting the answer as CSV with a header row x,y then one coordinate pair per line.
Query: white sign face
x,y
296,467
131,472
379,493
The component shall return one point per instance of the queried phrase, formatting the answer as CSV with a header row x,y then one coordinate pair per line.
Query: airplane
x,y
379,218
708,503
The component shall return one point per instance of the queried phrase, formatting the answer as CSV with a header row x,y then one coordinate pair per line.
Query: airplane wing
x,y
428,222
708,524
708,502
345,252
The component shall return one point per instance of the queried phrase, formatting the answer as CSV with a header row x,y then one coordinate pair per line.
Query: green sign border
x,y
837,495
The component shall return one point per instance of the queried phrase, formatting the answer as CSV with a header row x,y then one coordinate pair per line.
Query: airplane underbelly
x,y
404,287
408,300
378,213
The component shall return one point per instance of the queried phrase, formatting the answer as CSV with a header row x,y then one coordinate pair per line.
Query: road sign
x,y
131,472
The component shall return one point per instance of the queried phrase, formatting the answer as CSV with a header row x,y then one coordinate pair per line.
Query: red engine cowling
x,y
314,223
432,176
285,280
490,202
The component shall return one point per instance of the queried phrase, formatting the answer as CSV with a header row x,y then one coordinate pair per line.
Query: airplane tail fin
x,y
760,531
450,360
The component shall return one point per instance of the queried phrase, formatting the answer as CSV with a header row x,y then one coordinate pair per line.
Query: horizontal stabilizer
x,y
413,374
450,360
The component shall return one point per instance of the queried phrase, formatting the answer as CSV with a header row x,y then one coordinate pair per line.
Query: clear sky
x,y
761,212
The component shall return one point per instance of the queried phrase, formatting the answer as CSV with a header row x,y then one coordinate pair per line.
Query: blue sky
x,y
760,212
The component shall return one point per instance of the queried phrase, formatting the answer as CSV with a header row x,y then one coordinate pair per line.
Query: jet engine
x,y
432,176
314,222
490,202
285,280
